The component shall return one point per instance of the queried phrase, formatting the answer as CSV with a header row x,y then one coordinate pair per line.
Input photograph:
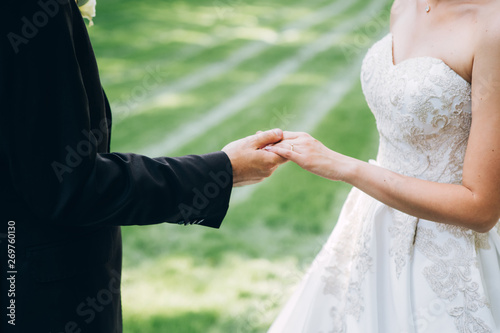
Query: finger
x,y
280,146
286,144
291,135
267,137
274,159
292,145
278,160
285,153
282,143
258,132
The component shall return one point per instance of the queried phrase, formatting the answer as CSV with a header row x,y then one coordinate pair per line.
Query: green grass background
x,y
236,279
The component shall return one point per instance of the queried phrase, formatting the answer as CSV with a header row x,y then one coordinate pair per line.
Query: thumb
x,y
268,137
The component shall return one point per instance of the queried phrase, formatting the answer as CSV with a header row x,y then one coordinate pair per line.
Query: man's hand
x,y
251,164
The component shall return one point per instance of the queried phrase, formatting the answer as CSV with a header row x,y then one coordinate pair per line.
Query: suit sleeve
x,y
54,133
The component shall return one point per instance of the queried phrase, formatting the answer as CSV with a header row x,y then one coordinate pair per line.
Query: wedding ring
x,y
291,146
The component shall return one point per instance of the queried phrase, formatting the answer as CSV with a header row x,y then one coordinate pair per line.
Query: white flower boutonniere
x,y
87,8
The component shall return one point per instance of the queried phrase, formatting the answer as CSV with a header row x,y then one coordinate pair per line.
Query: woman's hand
x,y
312,155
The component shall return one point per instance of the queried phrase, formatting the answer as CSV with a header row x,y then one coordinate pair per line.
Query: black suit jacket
x,y
65,194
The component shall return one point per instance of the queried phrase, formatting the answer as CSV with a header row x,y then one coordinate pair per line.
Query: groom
x,y
64,196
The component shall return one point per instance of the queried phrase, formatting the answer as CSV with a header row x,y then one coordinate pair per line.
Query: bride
x,y
417,244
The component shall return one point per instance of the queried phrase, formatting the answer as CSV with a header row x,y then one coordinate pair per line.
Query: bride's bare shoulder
x,y
396,9
490,11
488,28
486,61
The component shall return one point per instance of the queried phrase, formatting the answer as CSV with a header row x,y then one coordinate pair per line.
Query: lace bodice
x,y
423,113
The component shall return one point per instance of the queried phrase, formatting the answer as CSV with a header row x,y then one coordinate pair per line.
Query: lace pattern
x,y
451,277
403,235
423,120
352,260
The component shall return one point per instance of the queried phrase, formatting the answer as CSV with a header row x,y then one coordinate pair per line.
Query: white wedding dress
x,y
385,271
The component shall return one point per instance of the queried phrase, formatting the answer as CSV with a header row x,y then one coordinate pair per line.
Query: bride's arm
x,y
475,204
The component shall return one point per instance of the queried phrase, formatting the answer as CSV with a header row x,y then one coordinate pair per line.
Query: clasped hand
x,y
311,155
252,164
256,157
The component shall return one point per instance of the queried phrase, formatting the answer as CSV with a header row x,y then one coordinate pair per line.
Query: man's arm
x,y
54,133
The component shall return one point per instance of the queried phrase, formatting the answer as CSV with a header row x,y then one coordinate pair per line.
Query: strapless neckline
x,y
423,113
417,59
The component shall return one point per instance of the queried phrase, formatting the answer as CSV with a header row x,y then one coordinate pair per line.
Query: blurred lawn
x,y
194,279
